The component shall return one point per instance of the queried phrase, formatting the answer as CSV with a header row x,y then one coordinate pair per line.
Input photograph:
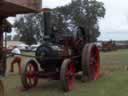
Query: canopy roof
x,y
13,7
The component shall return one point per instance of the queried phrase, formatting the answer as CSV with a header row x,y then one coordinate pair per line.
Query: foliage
x,y
28,28
85,14
67,20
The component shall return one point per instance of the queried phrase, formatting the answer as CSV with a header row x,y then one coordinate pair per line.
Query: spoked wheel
x,y
29,77
1,88
67,74
91,62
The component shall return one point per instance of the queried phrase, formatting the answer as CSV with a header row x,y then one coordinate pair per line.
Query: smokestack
x,y
47,19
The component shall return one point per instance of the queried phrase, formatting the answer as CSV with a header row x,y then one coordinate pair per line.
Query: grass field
x,y
113,81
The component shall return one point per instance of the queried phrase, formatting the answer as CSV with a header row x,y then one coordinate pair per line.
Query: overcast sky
x,y
54,3
114,25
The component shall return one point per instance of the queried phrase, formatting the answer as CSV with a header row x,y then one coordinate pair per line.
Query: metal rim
x,y
29,77
91,62
94,65
67,74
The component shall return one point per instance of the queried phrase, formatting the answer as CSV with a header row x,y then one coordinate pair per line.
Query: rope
x,y
46,58
30,56
10,55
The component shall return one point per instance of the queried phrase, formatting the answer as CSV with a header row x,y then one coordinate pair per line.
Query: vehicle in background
x,y
34,47
108,46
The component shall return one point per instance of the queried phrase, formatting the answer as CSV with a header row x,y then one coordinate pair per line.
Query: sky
x,y
115,24
54,3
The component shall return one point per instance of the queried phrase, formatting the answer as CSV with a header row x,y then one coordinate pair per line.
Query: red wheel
x,y
67,74
91,62
29,77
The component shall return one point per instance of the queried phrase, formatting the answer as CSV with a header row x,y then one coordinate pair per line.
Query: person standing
x,y
17,59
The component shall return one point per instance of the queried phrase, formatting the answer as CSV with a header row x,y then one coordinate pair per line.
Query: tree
x,y
85,14
28,28
7,37
16,37
67,20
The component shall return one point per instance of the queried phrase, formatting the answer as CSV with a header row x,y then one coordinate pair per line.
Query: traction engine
x,y
62,59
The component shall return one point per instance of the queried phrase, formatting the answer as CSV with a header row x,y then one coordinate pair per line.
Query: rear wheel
x,y
29,77
67,74
90,62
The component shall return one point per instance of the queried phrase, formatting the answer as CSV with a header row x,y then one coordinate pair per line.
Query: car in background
x,y
34,47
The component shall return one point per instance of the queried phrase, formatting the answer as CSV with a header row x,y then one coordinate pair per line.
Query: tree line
x,y
67,19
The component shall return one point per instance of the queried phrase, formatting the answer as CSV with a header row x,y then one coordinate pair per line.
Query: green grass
x,y
113,81
115,57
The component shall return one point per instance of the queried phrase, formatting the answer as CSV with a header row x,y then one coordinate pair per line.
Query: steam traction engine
x,y
62,59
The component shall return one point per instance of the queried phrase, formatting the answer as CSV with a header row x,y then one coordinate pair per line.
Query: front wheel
x,y
67,74
29,77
